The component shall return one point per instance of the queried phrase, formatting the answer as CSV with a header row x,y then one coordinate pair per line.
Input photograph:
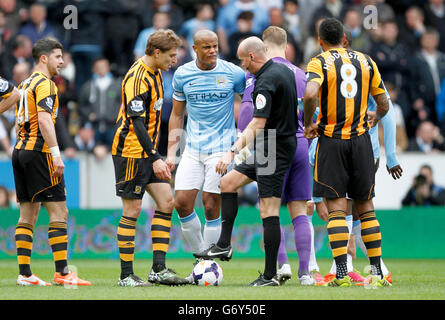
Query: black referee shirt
x,y
275,98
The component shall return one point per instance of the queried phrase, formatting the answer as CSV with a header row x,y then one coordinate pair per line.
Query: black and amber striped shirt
x,y
38,93
142,96
5,88
346,79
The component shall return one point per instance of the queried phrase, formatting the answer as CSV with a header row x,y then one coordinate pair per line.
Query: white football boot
x,y
32,280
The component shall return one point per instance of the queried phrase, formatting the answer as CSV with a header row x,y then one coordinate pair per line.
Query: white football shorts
x,y
196,171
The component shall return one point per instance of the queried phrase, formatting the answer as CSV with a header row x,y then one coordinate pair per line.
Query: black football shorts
x,y
132,176
34,181
344,167
269,169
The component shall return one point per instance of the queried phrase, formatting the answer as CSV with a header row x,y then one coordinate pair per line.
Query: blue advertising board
x,y
72,180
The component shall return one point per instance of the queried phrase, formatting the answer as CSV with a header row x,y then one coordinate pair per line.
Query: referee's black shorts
x,y
132,176
269,171
34,181
344,167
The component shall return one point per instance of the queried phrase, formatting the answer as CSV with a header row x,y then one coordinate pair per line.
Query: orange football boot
x,y
70,279
326,279
388,278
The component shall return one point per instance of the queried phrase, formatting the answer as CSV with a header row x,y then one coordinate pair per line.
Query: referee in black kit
x,y
273,128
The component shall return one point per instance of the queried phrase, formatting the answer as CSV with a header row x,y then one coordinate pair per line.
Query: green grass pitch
x,y
413,280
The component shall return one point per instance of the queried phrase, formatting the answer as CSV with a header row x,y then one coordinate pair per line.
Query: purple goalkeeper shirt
x,y
246,110
297,181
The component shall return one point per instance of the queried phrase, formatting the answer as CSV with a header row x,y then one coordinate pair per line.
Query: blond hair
x,y
163,40
275,35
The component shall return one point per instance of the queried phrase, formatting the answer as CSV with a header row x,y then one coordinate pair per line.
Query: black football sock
x,y
272,238
229,210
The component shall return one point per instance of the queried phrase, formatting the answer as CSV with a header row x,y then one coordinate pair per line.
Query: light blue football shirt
x,y
209,96
389,132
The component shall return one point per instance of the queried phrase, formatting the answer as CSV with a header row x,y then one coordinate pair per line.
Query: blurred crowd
x,y
424,191
406,40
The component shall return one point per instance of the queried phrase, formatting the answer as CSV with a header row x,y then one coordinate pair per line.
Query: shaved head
x,y
252,53
204,35
254,45
205,45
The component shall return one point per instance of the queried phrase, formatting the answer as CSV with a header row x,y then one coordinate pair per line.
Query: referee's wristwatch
x,y
234,149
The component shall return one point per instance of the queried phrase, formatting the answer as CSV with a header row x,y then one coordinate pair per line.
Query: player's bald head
x,y
205,45
252,45
204,35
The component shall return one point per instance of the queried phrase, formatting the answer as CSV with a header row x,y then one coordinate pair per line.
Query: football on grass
x,y
207,273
